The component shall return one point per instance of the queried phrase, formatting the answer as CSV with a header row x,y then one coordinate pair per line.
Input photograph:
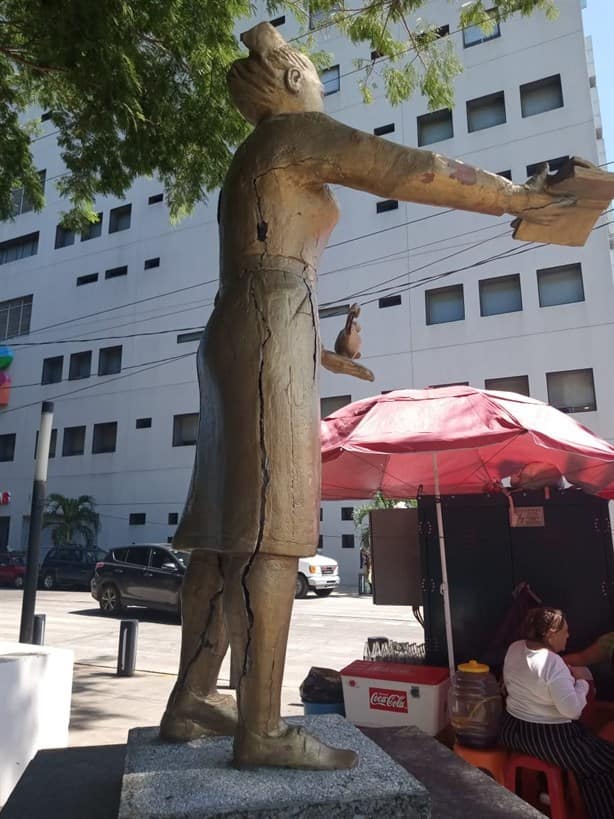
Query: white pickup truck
x,y
319,573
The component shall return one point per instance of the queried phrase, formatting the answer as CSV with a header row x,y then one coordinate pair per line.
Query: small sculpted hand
x,y
537,201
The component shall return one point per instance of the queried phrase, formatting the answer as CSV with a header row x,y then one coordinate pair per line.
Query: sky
x,y
599,24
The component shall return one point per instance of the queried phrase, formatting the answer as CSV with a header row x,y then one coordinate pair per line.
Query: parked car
x,y
68,566
148,574
12,570
318,573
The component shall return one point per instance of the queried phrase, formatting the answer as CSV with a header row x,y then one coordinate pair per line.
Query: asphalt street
x,y
328,632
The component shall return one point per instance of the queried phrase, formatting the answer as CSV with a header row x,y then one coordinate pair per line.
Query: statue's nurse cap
x,y
262,39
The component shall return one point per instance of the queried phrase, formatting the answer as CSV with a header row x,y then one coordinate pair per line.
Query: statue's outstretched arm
x,y
332,152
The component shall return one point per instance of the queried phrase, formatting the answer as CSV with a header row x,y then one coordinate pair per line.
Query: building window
x,y
20,248
173,518
329,312
105,437
385,205
572,390
93,230
321,542
500,295
64,237
52,443
21,202
150,263
553,165
474,35
486,112
333,403
435,127
143,423
185,429
15,315
424,38
137,519
321,514
560,285
46,115
52,369
541,95
279,21
445,304
317,19
115,272
80,365
389,301
89,278
384,129
157,197
347,541
505,174
331,80
74,441
119,218
110,360
7,446
184,338
347,513
448,384
513,383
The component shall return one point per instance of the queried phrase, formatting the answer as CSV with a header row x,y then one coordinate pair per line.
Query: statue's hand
x,y
336,363
538,202
348,341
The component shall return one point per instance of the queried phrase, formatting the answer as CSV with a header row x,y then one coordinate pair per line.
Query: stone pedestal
x,y
196,780
35,691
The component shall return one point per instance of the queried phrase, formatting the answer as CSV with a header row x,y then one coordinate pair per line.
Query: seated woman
x,y
544,701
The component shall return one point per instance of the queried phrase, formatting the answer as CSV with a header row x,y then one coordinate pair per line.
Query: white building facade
x,y
107,325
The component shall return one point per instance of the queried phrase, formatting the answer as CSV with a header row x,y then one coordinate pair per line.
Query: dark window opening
x,y
93,230
157,197
89,278
279,21
119,218
385,205
7,446
384,129
173,518
80,365
20,248
74,441
150,263
347,541
553,165
115,272
184,338
110,360
64,237
389,301
105,437
347,513
52,443
185,429
52,370
137,519
143,423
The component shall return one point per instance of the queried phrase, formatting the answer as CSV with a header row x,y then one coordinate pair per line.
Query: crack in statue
x,y
253,507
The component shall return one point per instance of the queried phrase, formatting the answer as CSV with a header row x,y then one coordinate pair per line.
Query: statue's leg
x,y
259,595
195,707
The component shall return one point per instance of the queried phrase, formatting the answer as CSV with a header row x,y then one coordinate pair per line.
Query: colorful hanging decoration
x,y
6,359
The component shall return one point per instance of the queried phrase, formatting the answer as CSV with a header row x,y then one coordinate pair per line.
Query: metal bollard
x,y
126,655
38,630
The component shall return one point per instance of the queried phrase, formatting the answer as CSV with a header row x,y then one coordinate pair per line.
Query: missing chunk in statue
x,y
253,503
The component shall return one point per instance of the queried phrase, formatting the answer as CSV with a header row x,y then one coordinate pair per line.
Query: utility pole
x,y
37,510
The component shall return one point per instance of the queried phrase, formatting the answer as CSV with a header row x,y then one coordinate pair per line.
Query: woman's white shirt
x,y
540,686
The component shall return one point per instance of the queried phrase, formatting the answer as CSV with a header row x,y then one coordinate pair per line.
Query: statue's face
x,y
309,90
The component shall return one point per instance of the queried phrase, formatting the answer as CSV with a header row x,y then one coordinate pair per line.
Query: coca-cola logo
x,y
386,699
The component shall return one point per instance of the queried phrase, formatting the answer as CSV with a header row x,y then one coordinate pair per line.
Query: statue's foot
x,y
293,747
189,717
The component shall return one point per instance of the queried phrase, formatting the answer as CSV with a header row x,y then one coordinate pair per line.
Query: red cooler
x,y
393,694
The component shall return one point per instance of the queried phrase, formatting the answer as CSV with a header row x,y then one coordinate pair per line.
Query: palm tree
x,y
72,519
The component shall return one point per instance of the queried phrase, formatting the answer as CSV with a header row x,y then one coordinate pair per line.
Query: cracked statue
x,y
253,504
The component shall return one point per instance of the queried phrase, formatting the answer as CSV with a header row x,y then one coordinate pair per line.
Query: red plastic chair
x,y
559,808
491,760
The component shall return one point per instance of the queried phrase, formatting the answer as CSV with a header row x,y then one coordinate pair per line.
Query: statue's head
x,y
274,78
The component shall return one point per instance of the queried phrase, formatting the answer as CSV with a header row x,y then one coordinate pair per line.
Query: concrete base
x,y
196,781
35,691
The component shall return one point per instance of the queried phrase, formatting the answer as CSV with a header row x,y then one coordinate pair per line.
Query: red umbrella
x,y
387,443
454,440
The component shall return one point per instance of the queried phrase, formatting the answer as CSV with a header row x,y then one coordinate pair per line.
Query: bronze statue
x,y
253,505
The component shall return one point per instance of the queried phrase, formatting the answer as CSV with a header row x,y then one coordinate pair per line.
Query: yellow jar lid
x,y
474,667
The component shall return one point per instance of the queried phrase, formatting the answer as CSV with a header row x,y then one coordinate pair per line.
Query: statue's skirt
x,y
256,479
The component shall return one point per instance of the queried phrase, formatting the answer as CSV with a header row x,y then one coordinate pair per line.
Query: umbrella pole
x,y
447,614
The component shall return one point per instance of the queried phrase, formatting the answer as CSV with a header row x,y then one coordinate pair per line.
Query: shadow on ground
x,y
132,613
